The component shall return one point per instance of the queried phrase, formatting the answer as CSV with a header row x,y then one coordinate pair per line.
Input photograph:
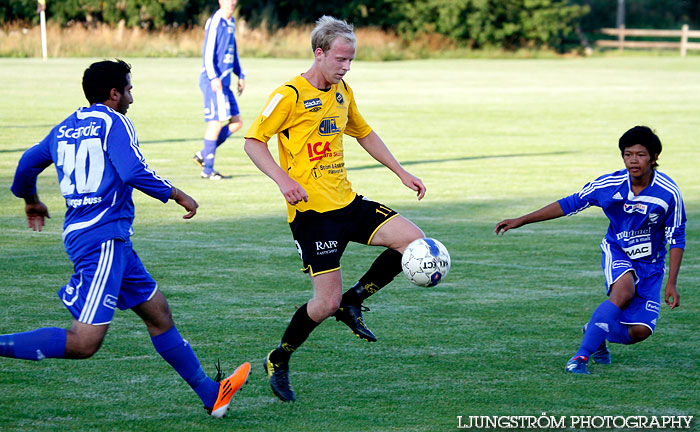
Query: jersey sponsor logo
x,y
637,207
326,247
339,98
316,173
335,168
90,130
110,301
617,196
318,151
632,234
638,251
328,127
311,103
652,306
75,203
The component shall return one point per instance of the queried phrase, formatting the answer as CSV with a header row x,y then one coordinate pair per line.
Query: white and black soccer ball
x,y
425,262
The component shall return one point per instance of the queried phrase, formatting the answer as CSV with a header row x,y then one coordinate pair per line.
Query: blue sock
x,y
225,133
619,334
208,153
178,353
599,327
47,342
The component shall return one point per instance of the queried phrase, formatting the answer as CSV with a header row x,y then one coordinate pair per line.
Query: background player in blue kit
x,y
220,56
99,163
646,212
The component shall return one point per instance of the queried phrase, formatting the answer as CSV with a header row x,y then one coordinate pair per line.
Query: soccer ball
x,y
425,262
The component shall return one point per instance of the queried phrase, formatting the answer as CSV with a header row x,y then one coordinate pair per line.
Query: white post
x,y
41,7
684,40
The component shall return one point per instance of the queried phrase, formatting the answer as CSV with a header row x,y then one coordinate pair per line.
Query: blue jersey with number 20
x,y
99,162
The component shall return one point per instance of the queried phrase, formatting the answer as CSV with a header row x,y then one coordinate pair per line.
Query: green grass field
x,y
490,138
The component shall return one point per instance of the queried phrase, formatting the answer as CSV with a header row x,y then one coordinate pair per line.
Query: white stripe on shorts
x,y
99,280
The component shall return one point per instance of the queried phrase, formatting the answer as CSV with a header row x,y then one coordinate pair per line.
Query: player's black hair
x,y
645,136
101,77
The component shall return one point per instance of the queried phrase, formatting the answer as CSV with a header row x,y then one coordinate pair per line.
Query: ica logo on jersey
x,y
318,150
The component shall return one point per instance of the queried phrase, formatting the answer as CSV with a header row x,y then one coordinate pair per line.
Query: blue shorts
x,y
648,278
111,276
219,106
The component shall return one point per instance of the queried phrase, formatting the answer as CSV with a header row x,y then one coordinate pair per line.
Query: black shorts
x,y
321,238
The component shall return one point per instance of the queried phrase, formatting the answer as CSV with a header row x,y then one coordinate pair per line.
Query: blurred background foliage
x,y
474,24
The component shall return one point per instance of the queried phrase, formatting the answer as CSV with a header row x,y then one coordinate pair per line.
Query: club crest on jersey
x,y
637,207
312,103
654,217
328,127
339,98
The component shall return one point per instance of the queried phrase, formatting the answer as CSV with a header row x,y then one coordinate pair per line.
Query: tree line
x,y
507,24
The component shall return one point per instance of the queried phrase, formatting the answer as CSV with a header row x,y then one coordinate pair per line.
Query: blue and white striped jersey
x,y
99,162
641,224
220,53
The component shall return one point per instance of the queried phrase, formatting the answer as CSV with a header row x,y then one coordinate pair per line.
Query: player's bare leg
x,y
84,340
395,235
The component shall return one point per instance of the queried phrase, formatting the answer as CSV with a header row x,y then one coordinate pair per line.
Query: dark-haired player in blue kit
x,y
220,61
646,213
99,163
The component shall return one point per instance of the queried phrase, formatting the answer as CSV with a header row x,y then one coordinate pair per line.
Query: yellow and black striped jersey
x,y
310,124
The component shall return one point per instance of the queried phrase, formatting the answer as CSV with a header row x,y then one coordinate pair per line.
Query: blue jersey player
x,y
99,163
646,214
220,61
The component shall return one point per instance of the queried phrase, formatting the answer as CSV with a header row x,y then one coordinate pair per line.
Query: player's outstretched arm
x,y
374,145
551,211
671,292
186,201
36,212
258,152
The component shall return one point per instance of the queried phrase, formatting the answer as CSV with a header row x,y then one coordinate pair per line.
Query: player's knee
x,y
639,333
83,349
327,307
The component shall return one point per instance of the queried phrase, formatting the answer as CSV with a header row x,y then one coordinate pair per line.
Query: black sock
x,y
382,271
298,330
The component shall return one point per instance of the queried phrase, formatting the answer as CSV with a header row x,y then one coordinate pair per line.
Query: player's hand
x,y
36,212
414,183
671,296
185,201
241,86
216,85
293,192
506,225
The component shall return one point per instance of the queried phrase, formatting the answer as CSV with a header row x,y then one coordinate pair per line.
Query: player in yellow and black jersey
x,y
310,114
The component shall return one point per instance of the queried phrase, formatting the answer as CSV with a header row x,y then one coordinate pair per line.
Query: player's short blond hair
x,y
329,29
